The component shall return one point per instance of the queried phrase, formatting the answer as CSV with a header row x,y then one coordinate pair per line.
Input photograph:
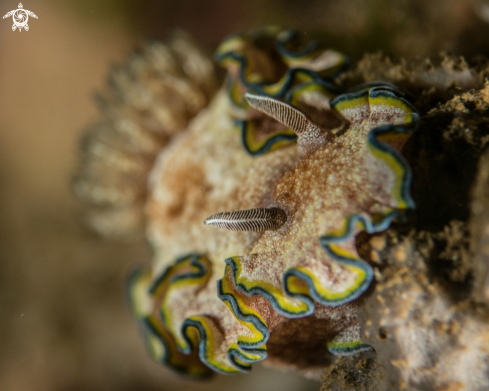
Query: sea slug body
x,y
235,297
293,169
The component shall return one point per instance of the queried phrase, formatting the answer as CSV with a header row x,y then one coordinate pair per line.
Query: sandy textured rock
x,y
426,315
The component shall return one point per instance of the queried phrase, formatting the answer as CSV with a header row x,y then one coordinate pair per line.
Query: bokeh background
x,y
63,321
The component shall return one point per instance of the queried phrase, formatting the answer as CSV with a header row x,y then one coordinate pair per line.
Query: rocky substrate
x,y
426,315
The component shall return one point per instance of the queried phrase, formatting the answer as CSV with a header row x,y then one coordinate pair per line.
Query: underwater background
x,y
64,323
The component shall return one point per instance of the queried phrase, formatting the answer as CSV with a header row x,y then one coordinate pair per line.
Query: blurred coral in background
x,y
65,326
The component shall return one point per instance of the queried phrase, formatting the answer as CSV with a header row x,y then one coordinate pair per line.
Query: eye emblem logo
x,y
20,17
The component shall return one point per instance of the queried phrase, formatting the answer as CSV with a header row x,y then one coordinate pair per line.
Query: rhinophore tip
x,y
286,114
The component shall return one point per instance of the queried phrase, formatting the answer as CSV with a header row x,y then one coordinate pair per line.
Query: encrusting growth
x,y
255,220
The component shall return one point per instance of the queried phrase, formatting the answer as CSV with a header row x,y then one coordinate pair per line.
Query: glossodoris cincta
x,y
284,169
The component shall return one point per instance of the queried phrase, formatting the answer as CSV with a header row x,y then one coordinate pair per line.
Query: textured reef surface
x,y
307,214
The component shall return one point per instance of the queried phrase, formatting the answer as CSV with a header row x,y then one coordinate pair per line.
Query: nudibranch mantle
x,y
331,195
232,298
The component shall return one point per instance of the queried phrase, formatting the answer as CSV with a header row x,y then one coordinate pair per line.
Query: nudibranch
x,y
152,97
284,170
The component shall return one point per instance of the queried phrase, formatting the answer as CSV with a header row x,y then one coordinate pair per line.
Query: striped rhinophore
x,y
287,115
254,220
